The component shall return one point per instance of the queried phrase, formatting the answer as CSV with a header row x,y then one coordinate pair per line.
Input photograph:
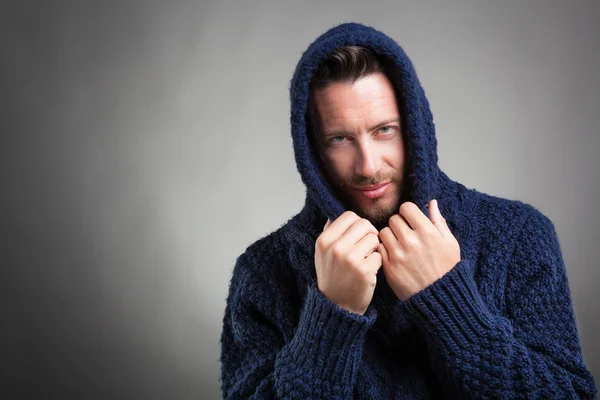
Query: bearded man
x,y
394,281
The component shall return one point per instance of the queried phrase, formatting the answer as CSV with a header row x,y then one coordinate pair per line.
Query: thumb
x,y
327,224
437,218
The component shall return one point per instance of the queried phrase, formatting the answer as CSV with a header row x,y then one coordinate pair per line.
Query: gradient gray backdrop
x,y
144,145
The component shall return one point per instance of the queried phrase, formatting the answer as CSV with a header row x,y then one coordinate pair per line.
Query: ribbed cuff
x,y
451,310
329,339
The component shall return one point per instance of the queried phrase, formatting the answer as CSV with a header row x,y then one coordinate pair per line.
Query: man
x,y
394,281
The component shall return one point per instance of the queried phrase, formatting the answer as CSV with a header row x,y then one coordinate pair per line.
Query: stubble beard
x,y
379,211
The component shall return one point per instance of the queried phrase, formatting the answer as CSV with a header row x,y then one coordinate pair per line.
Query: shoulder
x,y
265,262
500,223
505,214
264,253
272,248
265,282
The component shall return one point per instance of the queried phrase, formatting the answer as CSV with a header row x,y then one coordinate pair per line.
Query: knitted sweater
x,y
500,324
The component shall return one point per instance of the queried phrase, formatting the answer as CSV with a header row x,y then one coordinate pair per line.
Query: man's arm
x,y
320,361
533,353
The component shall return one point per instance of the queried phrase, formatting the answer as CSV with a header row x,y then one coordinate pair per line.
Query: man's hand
x,y
347,263
416,251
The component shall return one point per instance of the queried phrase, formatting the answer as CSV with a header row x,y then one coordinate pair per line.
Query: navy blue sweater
x,y
500,324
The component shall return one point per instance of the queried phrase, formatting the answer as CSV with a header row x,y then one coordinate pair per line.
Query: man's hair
x,y
345,64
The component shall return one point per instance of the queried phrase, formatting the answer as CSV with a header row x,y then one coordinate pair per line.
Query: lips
x,y
373,191
372,187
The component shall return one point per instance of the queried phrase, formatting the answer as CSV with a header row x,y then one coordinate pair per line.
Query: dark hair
x,y
345,64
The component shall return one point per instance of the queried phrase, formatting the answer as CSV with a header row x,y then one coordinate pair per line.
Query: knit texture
x,y
500,324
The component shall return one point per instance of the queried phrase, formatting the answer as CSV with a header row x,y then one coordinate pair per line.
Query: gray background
x,y
145,145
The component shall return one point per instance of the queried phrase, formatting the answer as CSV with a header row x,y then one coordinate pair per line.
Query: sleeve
x,y
533,352
320,361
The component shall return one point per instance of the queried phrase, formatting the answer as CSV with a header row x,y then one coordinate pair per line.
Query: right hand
x,y
347,263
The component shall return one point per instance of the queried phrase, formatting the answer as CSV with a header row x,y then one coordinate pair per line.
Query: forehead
x,y
368,98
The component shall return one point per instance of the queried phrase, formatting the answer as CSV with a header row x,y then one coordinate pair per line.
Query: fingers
x,y
437,219
336,228
359,229
381,249
413,215
399,226
366,245
374,261
388,239
327,224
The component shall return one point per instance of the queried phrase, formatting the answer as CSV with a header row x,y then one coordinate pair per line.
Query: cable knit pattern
x,y
500,324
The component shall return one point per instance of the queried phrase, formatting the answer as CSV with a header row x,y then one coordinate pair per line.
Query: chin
x,y
378,211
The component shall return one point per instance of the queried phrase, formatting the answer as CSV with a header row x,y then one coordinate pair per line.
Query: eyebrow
x,y
379,125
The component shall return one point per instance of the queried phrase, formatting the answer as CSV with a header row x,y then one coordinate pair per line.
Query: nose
x,y
369,160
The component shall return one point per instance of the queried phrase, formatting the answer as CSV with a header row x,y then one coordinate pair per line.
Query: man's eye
x,y
333,139
390,129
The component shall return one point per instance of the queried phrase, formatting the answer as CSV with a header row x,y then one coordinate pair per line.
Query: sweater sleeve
x,y
319,361
532,352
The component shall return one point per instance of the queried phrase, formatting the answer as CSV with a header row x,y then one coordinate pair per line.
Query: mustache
x,y
359,180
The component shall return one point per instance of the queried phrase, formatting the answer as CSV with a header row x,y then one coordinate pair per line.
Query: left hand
x,y
416,251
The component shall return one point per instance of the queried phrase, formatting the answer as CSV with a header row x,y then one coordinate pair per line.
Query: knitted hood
x,y
418,127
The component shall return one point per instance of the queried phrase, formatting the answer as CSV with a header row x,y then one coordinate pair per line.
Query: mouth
x,y
373,191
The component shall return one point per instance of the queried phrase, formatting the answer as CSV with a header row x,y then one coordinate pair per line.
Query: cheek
x,y
339,164
394,154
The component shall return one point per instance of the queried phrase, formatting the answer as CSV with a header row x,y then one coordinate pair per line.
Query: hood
x,y
418,129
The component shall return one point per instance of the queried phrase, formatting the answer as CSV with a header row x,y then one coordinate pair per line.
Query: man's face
x,y
361,145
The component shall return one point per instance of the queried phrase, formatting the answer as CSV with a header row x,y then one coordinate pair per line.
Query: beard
x,y
379,210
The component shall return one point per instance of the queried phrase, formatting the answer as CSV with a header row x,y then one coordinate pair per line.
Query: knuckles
x,y
407,206
354,261
337,251
377,257
321,244
395,219
350,215
396,254
373,237
387,231
364,225
412,243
